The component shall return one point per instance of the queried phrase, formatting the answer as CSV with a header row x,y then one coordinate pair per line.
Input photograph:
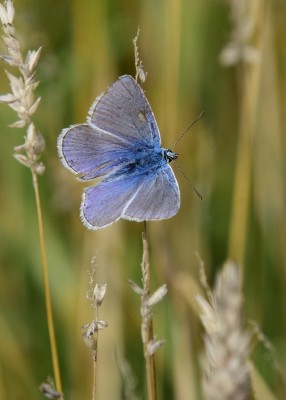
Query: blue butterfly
x,y
121,143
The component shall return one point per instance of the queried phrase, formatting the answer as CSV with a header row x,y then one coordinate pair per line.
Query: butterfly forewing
x,y
90,152
124,110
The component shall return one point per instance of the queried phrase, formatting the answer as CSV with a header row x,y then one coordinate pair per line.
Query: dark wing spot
x,y
142,117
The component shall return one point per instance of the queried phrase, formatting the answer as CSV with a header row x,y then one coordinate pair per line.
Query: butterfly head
x,y
169,155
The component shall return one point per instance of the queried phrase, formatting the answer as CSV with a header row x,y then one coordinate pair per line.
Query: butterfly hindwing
x,y
158,197
105,203
131,196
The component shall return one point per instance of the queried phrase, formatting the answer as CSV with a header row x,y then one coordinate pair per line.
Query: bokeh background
x,y
227,58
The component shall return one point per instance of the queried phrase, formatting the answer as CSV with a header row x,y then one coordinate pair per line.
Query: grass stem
x,y
147,321
48,302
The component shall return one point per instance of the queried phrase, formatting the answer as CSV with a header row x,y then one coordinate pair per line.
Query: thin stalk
x,y
22,100
147,321
250,81
48,302
94,380
95,356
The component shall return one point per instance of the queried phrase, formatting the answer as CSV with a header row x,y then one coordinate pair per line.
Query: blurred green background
x,y
235,156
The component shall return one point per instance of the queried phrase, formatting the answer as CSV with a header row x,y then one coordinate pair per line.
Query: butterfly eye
x,y
169,155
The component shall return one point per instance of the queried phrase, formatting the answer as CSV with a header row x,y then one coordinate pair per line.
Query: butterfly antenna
x,y
188,180
193,123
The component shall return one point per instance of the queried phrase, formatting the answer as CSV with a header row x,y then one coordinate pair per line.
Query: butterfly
x,y
121,144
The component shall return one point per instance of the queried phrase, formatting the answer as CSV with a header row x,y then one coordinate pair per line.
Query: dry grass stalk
x,y
227,343
140,73
90,330
22,100
148,300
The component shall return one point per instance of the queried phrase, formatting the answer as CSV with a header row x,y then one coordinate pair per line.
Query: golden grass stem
x,y
243,168
48,302
250,80
94,381
147,321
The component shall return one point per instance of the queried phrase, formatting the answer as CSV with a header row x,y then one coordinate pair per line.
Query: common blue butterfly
x,y
121,143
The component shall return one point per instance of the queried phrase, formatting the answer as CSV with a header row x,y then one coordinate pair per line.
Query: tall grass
x,y
22,100
235,156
